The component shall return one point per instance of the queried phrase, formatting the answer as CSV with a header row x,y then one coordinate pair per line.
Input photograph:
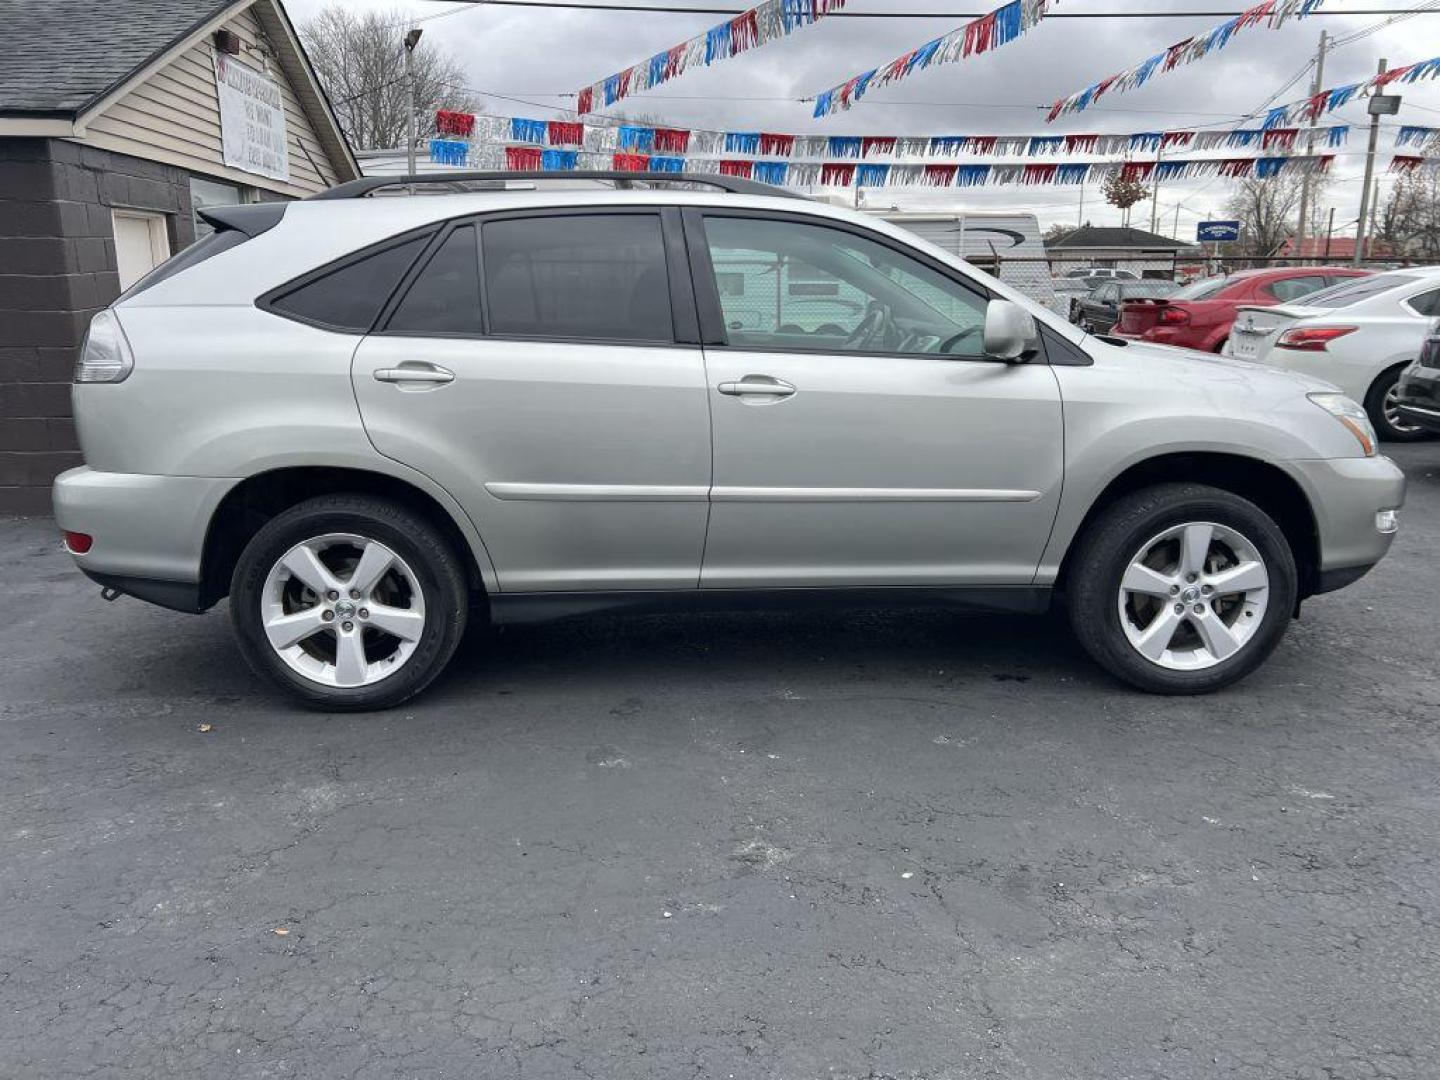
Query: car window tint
x,y
1357,289
1427,303
350,297
791,285
445,296
1292,288
599,276
1146,289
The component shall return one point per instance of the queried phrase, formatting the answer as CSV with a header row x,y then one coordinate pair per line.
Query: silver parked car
x,y
363,419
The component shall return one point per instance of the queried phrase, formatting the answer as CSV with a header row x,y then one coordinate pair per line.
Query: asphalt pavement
x,y
819,847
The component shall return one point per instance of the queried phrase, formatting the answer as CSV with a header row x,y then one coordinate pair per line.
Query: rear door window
x,y
445,296
1427,303
1292,288
598,277
349,297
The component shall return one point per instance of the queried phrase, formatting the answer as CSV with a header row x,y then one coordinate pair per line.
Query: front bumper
x,y
146,529
1419,397
1347,496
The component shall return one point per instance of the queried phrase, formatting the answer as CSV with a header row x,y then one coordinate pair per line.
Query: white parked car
x,y
1359,335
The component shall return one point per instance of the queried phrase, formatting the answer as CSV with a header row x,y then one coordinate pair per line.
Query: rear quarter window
x,y
348,295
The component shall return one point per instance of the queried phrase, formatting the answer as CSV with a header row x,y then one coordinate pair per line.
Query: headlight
x,y
1352,416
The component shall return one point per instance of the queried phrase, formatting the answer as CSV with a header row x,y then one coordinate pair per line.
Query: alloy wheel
x,y
1391,406
342,610
1193,596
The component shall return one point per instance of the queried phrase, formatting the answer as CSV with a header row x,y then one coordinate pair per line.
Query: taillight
x,y
1174,316
78,542
105,357
1312,338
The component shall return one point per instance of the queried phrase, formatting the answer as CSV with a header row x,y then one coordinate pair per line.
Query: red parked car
x,y
1200,315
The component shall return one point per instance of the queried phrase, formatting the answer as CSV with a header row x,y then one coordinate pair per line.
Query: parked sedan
x,y
1417,393
1359,335
1200,315
1100,310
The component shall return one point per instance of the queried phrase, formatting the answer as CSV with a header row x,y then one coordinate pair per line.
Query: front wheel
x,y
1383,405
349,602
1181,588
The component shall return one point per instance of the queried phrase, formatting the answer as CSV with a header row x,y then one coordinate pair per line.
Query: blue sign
x,y
1210,232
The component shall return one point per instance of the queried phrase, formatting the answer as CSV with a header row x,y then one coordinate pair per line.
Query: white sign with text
x,y
252,120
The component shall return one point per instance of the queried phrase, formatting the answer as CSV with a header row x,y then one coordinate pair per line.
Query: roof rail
x,y
734,185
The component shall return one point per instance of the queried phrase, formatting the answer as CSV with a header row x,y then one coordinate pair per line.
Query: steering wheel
x,y
874,324
955,339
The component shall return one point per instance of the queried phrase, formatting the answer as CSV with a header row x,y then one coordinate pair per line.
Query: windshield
x,y
1352,292
1203,289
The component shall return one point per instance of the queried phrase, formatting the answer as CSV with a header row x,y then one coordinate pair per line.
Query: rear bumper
x,y
1347,496
146,529
1419,396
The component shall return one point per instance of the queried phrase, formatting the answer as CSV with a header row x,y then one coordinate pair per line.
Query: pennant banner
x,y
1426,138
999,27
1326,101
667,141
1408,163
1268,13
750,29
809,174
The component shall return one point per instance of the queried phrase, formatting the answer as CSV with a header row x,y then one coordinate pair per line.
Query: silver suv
x,y
366,419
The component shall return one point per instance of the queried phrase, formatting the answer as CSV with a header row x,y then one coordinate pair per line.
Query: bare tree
x,y
1410,218
360,59
1268,210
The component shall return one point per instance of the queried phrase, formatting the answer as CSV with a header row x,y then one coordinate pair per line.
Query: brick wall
x,y
57,268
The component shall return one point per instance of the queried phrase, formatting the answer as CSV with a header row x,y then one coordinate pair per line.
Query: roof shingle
x,y
1094,236
57,56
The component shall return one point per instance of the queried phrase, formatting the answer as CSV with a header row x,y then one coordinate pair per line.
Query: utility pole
x,y
1315,87
1155,187
412,38
1380,105
1329,231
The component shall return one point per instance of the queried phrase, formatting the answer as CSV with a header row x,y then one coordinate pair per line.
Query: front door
x,y
860,437
536,368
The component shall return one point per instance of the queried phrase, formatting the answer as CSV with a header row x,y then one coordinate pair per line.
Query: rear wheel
x,y
1181,588
1383,405
349,602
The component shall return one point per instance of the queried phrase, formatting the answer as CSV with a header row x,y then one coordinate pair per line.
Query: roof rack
x,y
734,185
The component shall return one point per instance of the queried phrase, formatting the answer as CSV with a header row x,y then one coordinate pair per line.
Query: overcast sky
x,y
539,55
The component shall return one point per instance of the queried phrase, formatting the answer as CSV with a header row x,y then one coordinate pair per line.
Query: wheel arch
x,y
258,498
1268,486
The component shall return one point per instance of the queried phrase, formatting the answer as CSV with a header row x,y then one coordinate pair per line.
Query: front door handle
x,y
757,386
415,373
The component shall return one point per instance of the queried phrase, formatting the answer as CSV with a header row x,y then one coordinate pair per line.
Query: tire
x,y
1386,426
1109,622
419,592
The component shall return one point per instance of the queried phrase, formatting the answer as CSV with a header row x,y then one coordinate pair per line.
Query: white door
x,y
141,244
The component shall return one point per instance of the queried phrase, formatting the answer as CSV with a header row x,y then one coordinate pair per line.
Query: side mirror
x,y
1009,330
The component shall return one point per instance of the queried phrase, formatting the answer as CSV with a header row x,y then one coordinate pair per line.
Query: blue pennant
x,y
559,160
1071,174
845,146
449,151
1267,167
667,164
638,139
771,172
527,131
742,142
971,175
1339,133
871,175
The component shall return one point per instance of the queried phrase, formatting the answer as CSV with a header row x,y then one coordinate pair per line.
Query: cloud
x,y
537,54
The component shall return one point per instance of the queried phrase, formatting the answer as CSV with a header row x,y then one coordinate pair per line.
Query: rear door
x,y
544,367
871,445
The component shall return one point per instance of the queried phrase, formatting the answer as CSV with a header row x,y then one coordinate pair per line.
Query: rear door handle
x,y
415,373
757,386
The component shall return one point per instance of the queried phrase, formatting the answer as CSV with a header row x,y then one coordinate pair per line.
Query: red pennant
x,y
1080,142
1405,163
1137,170
940,175
672,140
877,144
835,174
776,145
631,162
585,100
523,158
1176,138
1039,174
1284,138
564,133
454,123
737,167
1237,167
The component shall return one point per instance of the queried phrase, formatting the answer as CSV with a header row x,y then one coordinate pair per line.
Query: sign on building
x,y
252,120
1215,232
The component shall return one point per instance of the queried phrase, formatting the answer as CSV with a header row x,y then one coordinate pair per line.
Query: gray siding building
x,y
117,121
